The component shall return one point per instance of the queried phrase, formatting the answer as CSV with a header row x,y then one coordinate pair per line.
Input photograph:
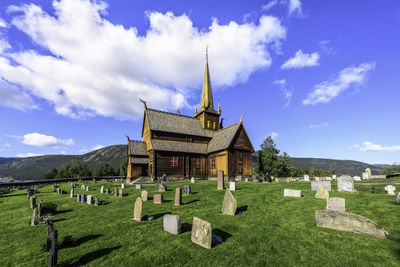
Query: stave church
x,y
182,146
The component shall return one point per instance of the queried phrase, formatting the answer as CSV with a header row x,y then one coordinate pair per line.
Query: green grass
x,y
274,231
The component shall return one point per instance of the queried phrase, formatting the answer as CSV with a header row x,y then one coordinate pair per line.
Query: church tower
x,y
208,116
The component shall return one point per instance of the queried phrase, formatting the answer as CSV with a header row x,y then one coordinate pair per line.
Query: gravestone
x,y
306,177
90,199
288,180
32,202
30,192
49,234
357,178
345,184
157,199
39,208
397,201
115,192
71,195
232,186
87,188
94,180
178,196
96,201
78,197
107,191
322,192
137,212
192,180
138,186
121,193
201,233
186,189
268,178
336,204
54,247
122,186
172,224
277,180
229,204
102,189
333,176
390,189
161,188
350,222
316,184
246,179
220,180
291,193
83,187
144,195
365,176
33,220
164,178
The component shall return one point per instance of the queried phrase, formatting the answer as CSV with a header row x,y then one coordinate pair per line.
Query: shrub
x,y
49,207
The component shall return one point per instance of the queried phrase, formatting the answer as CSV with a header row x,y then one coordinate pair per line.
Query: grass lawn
x,y
273,231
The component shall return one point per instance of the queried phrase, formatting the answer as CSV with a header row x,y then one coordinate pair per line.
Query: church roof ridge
x,y
170,113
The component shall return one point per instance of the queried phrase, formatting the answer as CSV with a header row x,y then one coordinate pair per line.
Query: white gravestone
x,y
306,177
390,189
365,176
102,189
336,203
316,184
357,178
232,186
345,184
122,185
291,193
138,186
89,199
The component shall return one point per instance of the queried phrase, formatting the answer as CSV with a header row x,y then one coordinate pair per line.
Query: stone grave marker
x,y
336,204
232,186
306,177
121,193
277,180
322,192
71,195
178,196
33,220
49,234
316,184
192,180
138,186
102,189
229,204
32,202
122,186
157,199
201,233
164,178
54,247
161,188
107,191
220,180
90,199
137,212
172,224
357,178
96,201
115,192
39,208
186,189
334,177
291,193
87,188
345,184
246,179
397,201
78,197
144,195
83,187
390,189
288,180
30,192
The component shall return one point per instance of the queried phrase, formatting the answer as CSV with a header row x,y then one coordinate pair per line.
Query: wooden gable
x,y
242,141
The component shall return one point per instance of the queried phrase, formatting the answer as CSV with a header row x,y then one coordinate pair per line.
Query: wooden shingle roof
x,y
175,123
223,138
137,148
194,148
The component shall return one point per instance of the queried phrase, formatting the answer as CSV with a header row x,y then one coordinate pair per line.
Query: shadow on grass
x,y
16,195
159,215
63,211
190,202
103,203
241,210
166,201
93,256
59,220
219,236
186,227
79,241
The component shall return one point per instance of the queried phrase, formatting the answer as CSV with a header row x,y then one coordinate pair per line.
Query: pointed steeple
x,y
206,95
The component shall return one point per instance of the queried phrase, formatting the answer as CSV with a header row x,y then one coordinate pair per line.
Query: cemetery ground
x,y
273,230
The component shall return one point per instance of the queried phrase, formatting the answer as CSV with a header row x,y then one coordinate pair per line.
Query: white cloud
x,y
325,48
369,146
26,155
287,93
94,67
316,126
5,145
3,24
97,147
270,5
326,91
12,97
301,60
295,7
83,150
36,139
274,135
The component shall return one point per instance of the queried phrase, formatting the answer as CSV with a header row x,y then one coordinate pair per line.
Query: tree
x,y
269,156
122,168
261,170
51,175
391,169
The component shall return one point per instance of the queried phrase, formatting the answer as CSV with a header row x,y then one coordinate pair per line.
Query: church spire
x,y
206,95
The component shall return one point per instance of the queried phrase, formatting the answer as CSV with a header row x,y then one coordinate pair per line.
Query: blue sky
x,y
321,77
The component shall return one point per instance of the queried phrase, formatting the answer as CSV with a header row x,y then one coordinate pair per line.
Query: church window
x,y
212,163
174,161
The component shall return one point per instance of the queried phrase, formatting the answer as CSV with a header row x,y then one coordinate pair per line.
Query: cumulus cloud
x,y
94,67
26,155
326,91
316,126
3,24
274,135
12,97
270,5
287,93
369,146
295,7
301,60
42,140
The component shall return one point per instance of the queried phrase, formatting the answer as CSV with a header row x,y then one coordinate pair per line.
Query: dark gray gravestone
x,y
164,178
186,189
49,236
39,208
51,258
268,178
54,246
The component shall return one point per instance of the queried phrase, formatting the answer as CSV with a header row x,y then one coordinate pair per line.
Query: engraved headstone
x,y
397,201
246,179
291,193
336,203
71,195
390,189
306,177
32,202
138,186
178,196
137,212
121,193
172,224
87,188
161,187
322,192
220,180
49,234
157,199
107,191
54,247
96,201
333,176
357,178
122,186
345,184
102,189
83,187
316,184
186,189
115,192
39,208
144,195
90,199
201,233
192,180
229,204
232,186
33,220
